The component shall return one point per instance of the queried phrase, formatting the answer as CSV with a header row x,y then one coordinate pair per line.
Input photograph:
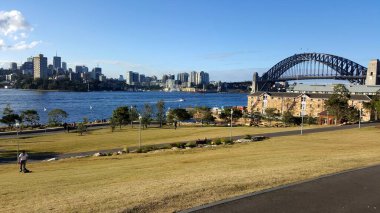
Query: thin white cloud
x,y
12,22
14,30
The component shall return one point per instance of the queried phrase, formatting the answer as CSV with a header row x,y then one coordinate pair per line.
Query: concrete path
x,y
352,191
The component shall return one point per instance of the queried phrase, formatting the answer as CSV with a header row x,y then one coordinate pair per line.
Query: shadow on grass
x,y
7,156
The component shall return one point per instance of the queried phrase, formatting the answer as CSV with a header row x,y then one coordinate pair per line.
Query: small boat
x,y
181,100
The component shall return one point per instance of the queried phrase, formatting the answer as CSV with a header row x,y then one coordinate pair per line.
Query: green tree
x,y
288,118
226,114
9,117
270,115
113,124
160,112
56,117
337,104
133,114
373,106
81,128
203,114
178,114
121,115
146,117
30,116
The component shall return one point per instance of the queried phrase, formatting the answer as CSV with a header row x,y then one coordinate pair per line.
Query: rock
x,y
52,159
120,152
98,154
175,148
115,153
188,148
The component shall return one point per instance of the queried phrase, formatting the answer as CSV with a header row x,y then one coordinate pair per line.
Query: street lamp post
x,y
302,112
360,117
231,125
140,132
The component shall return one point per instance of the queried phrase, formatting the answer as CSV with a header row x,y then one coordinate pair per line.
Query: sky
x,y
229,39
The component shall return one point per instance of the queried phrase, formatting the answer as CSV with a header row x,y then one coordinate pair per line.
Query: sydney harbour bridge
x,y
307,66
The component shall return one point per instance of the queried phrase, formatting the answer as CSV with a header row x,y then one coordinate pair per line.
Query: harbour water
x,y
99,105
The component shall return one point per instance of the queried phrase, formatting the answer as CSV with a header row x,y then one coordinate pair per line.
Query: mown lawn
x,y
175,180
105,139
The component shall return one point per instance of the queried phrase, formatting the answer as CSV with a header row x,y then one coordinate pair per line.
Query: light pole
x,y
47,118
140,132
360,117
302,121
231,125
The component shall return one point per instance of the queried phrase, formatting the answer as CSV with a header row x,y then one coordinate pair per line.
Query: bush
x,y
126,149
226,141
180,145
248,137
216,141
191,144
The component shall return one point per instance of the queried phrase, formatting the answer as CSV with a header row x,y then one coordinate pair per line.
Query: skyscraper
x,y
56,62
183,77
40,67
64,66
193,77
132,78
13,66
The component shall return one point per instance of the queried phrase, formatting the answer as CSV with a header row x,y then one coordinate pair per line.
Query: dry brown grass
x,y
104,139
174,180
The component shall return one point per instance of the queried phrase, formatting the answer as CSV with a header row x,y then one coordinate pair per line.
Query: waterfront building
x,y
40,68
142,78
203,78
27,68
10,77
193,77
312,104
96,72
121,78
102,78
132,78
329,89
183,77
57,62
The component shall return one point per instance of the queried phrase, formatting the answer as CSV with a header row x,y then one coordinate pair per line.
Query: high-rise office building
x,y
96,72
13,66
183,77
27,68
203,78
165,78
193,77
40,67
132,78
64,66
57,62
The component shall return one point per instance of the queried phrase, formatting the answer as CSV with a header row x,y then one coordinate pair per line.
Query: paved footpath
x,y
352,191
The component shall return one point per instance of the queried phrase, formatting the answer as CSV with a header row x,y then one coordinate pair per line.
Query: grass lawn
x,y
104,139
175,180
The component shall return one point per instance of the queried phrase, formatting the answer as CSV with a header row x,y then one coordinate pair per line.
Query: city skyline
x,y
220,37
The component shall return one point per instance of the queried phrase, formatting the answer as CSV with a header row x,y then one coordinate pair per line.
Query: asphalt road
x,y
352,191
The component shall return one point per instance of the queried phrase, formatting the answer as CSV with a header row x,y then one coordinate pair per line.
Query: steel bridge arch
x,y
347,69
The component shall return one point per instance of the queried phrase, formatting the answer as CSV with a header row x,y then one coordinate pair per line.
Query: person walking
x,y
23,157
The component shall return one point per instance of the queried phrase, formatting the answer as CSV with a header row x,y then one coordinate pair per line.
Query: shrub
x,y
216,141
126,149
226,141
248,137
191,144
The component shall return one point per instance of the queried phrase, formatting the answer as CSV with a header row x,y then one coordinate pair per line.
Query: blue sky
x,y
227,38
